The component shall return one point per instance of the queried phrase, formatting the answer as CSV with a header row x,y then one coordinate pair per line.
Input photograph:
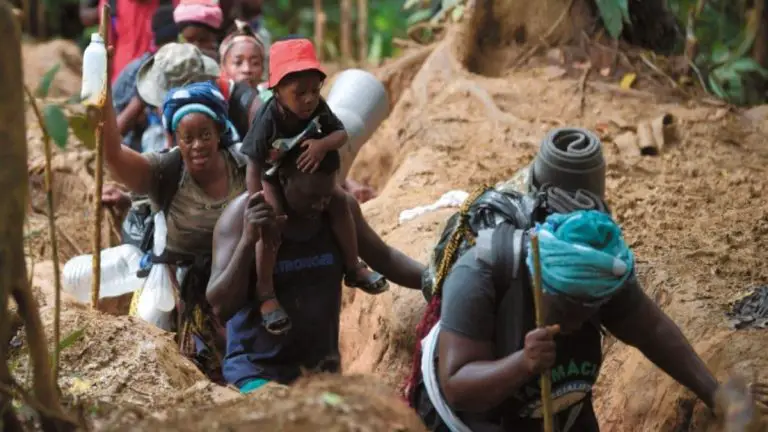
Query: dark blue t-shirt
x,y
307,279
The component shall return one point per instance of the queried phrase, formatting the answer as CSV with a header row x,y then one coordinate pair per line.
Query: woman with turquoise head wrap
x,y
489,351
190,184
584,262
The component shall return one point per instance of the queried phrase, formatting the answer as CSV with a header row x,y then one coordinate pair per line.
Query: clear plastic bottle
x,y
94,69
118,273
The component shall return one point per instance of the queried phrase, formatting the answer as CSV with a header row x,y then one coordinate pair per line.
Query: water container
x,y
94,70
118,273
360,101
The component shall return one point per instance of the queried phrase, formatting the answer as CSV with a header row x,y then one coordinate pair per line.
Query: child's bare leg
x,y
274,318
357,275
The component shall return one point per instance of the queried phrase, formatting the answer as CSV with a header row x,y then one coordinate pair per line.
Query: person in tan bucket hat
x,y
178,64
173,65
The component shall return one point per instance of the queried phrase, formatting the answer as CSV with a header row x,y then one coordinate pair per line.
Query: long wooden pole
x,y
345,33
320,19
362,30
546,380
97,204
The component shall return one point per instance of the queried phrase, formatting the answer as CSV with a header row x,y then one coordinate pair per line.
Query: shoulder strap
x,y
508,259
170,178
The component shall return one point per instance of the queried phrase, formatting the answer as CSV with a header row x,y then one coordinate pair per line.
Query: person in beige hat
x,y
178,64
173,65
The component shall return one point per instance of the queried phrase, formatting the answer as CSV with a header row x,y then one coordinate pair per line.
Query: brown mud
x,y
694,216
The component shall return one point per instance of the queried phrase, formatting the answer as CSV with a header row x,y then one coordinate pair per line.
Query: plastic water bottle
x,y
94,69
118,273
153,139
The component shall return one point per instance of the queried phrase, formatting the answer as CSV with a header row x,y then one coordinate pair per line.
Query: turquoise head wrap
x,y
582,254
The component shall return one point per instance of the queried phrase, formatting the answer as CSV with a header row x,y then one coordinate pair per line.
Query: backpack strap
x,y
508,262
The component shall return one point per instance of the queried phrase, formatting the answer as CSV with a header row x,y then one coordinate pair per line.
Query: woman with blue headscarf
x,y
490,353
192,182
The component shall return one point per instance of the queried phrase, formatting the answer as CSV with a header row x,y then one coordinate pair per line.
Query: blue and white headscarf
x,y
204,98
583,255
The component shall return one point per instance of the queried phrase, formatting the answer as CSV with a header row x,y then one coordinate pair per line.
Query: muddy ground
x,y
694,215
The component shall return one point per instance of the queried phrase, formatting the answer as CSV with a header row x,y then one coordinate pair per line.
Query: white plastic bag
x,y
157,300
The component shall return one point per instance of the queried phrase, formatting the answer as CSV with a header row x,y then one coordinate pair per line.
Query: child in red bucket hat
x,y
298,110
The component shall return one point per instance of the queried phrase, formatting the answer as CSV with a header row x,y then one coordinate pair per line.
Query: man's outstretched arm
x,y
646,327
390,262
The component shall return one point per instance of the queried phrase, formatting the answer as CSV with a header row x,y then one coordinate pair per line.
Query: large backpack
x,y
508,212
486,208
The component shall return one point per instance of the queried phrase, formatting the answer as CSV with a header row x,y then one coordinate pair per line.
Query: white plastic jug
x,y
118,273
360,101
94,70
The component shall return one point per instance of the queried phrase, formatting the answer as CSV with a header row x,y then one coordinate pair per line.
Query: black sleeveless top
x,y
307,279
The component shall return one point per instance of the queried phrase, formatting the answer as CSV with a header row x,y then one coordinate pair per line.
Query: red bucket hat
x,y
290,56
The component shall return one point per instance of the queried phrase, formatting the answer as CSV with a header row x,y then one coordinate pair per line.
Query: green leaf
x,y
45,82
418,16
610,12
332,399
71,339
56,124
82,130
624,7
747,65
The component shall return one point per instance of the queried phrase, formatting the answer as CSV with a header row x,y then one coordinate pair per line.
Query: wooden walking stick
x,y
99,170
546,381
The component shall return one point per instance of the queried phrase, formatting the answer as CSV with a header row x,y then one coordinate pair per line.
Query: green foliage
x,y
386,21
615,14
45,82
82,130
725,31
68,341
56,124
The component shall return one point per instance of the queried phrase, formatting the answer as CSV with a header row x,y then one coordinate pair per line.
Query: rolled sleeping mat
x,y
571,159
360,101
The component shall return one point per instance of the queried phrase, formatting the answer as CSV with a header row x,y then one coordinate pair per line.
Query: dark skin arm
x,y
473,380
390,262
317,149
233,253
470,375
649,329
126,165
127,118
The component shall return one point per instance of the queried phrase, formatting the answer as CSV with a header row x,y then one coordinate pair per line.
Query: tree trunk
x,y
12,202
346,31
14,183
362,30
320,19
